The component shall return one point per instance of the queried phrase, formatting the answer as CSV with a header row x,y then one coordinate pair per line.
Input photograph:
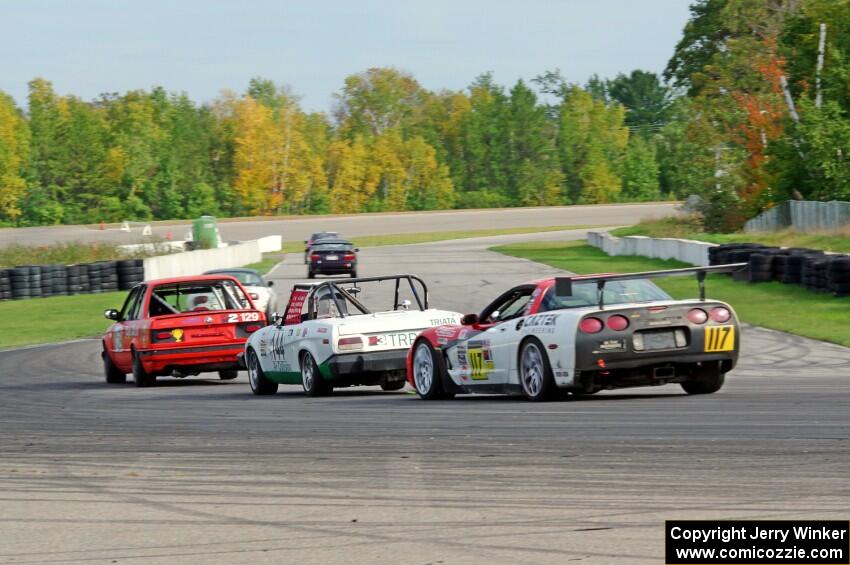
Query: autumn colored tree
x,y
14,155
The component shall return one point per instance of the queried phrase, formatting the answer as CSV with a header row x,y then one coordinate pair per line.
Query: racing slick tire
x,y
113,375
353,274
428,372
142,377
311,379
228,375
707,381
393,385
260,384
535,374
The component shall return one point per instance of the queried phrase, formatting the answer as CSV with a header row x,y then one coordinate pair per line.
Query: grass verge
x,y
689,228
772,305
56,318
428,237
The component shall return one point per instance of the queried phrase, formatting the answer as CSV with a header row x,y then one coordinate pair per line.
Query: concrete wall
x,y
685,250
196,262
270,244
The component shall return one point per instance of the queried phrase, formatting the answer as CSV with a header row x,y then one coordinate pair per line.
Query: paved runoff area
x,y
201,471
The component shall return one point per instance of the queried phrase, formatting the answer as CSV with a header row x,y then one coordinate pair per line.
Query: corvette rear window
x,y
620,292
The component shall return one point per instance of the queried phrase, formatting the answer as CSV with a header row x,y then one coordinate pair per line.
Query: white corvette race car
x,y
329,338
581,335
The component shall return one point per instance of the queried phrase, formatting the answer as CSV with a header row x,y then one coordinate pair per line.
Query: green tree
x,y
640,171
645,98
591,144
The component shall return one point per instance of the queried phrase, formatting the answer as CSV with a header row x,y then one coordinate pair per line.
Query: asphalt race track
x,y
300,227
200,471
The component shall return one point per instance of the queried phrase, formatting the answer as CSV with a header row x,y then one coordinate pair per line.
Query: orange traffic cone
x,y
102,226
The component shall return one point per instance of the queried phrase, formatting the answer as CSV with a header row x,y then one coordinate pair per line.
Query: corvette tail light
x,y
697,316
590,325
720,314
617,323
349,343
315,257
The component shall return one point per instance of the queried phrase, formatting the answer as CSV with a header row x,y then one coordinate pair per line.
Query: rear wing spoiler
x,y
564,285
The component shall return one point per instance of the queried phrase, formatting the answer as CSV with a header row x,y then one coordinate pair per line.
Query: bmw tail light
x,y
163,335
590,325
349,343
617,323
349,257
315,257
251,328
720,314
697,316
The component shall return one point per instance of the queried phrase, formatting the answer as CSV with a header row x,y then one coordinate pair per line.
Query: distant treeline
x,y
719,124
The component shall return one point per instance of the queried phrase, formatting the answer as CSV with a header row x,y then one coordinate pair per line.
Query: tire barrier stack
x,y
811,268
5,284
130,273
36,281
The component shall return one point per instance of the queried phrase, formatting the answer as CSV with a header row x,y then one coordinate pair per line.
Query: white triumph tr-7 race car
x,y
328,337
581,334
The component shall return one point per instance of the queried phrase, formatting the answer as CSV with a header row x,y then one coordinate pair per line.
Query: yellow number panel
x,y
480,363
719,338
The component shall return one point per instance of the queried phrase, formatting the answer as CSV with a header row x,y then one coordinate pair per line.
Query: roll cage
x,y
340,294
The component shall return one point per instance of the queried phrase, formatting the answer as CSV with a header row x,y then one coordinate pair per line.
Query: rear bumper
x,y
333,269
378,362
219,357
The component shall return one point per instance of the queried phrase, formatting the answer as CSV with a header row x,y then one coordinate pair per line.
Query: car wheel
x,y
311,379
260,384
228,375
142,377
392,385
428,371
535,374
353,274
705,381
111,372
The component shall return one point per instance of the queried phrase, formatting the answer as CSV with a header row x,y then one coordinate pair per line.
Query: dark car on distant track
x,y
315,237
332,257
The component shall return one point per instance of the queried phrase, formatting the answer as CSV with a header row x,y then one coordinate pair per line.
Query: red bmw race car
x,y
180,327
581,334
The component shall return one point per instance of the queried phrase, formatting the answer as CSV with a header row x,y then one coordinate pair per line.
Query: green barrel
x,y
205,232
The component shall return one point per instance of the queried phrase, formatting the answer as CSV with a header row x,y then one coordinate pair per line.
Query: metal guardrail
x,y
802,215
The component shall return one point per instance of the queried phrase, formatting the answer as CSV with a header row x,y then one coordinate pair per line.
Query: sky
x,y
88,47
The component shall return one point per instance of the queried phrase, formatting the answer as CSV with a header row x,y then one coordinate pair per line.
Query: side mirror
x,y
469,319
270,283
112,314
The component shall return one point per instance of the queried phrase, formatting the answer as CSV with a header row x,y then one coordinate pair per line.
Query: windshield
x,y
196,297
620,292
248,279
